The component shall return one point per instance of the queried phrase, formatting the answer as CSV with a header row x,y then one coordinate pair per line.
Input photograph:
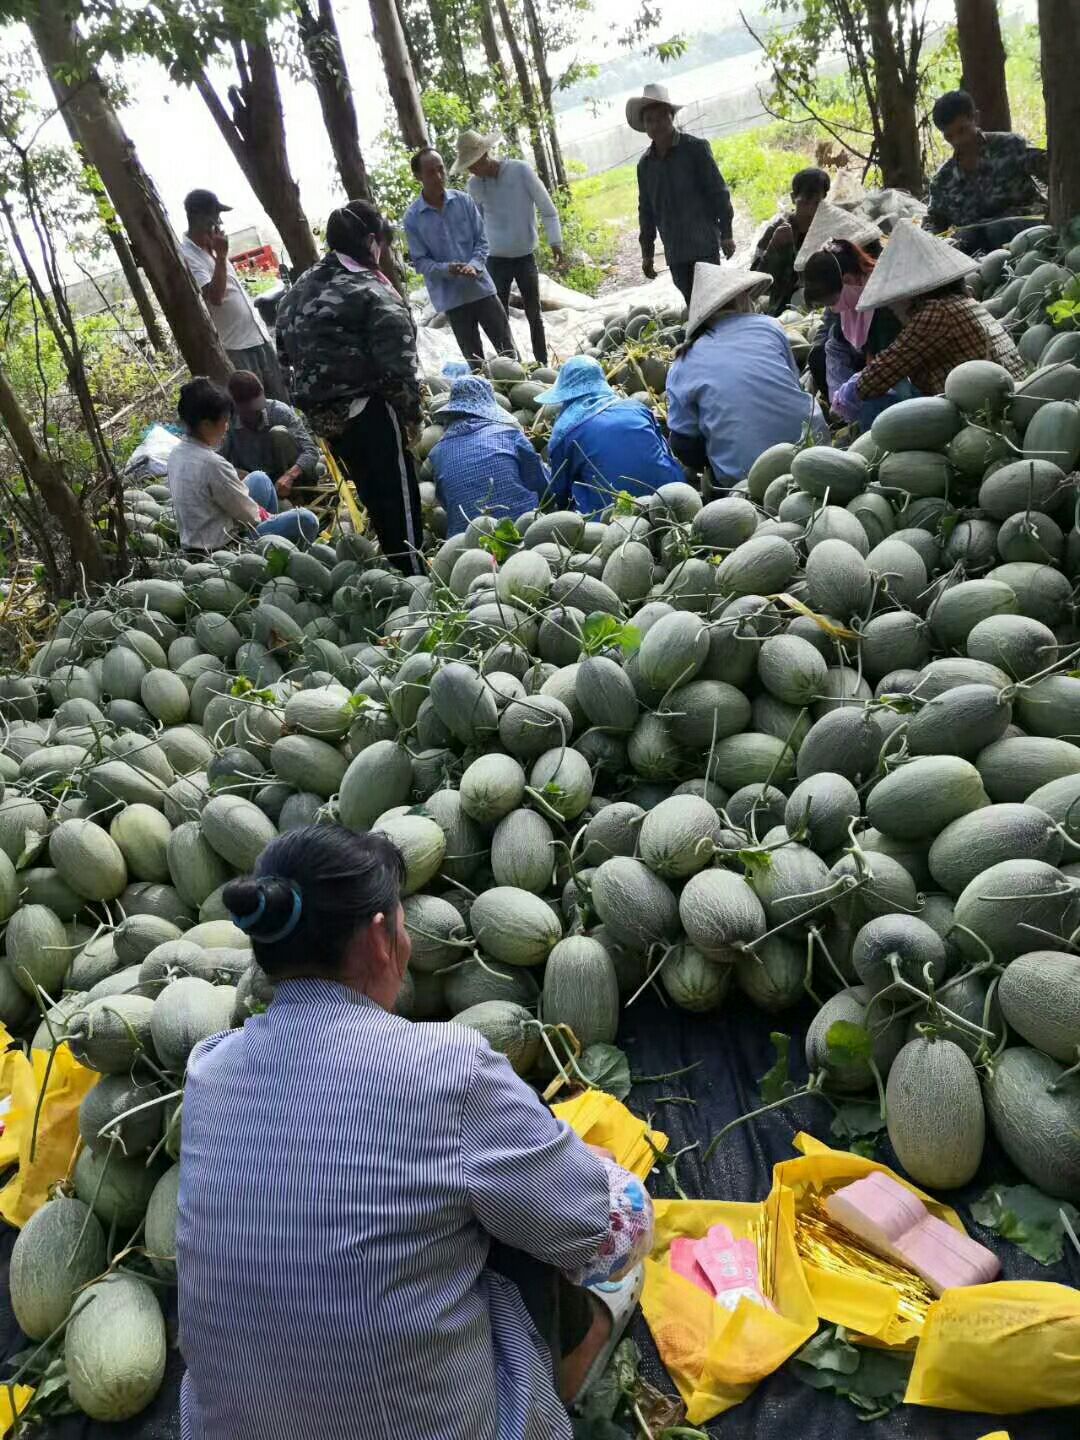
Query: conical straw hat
x,y
913,263
714,287
832,223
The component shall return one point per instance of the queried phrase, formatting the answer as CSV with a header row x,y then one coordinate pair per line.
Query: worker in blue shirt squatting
x,y
734,389
448,246
509,194
603,444
484,463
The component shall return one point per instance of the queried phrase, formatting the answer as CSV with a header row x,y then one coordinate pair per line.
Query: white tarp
x,y
568,318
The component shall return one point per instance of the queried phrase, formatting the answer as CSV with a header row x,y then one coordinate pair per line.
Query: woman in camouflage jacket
x,y
349,340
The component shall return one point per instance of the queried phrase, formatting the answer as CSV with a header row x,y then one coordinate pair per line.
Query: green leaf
x,y
277,562
602,632
503,540
847,1043
873,1380
858,1125
624,504
777,1083
606,1068
1028,1218
755,862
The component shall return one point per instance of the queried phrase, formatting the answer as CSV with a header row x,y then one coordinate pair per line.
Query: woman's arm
x,y
231,494
534,1185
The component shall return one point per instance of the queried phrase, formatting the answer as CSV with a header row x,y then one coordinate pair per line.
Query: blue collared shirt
x,y
438,238
480,466
343,1173
618,446
737,388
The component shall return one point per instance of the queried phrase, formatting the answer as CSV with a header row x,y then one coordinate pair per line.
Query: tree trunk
x,y
900,153
330,74
400,78
543,74
490,40
48,480
139,292
255,133
107,147
416,58
982,58
528,94
1060,45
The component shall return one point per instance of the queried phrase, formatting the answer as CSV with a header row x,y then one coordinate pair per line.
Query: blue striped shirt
x,y
439,238
342,1172
481,466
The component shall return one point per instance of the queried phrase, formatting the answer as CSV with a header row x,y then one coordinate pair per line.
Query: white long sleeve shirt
x,y
211,502
509,203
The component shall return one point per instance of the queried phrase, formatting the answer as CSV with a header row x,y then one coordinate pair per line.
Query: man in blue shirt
x,y
448,246
483,463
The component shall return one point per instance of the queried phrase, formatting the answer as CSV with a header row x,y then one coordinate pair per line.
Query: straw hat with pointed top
x,y
913,263
716,286
638,104
471,146
831,223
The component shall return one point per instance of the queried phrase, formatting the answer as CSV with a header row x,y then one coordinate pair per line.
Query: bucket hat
x,y
831,223
472,398
638,104
581,378
471,146
913,263
716,286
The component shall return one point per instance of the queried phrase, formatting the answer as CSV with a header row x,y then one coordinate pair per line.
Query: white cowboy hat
x,y
650,95
471,146
716,286
831,223
913,263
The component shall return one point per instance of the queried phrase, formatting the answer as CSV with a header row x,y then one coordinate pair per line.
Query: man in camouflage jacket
x,y
348,339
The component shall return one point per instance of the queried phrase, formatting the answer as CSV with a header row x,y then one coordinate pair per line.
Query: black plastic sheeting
x,y
731,1051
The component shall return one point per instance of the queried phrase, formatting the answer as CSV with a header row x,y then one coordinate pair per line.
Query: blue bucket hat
x,y
579,379
472,398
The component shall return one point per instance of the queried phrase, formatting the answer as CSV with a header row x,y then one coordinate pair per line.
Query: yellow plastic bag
x,y
603,1121
861,1304
22,1395
1000,1349
57,1128
716,1356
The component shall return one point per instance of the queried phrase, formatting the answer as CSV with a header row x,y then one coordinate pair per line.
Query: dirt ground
x,y
626,267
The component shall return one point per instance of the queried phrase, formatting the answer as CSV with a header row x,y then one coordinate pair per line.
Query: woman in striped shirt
x,y
347,1178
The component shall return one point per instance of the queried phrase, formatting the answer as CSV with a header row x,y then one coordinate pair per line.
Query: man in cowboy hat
x,y
448,245
734,390
205,249
483,463
681,192
508,193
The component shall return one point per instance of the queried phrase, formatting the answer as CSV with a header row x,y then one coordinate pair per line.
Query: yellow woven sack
x,y
1000,1349
57,1128
861,1304
601,1120
21,1395
716,1356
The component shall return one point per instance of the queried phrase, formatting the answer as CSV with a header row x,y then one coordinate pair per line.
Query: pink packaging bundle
x,y
722,1266
895,1223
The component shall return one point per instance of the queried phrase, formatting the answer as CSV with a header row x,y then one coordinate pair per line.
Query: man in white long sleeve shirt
x,y
508,193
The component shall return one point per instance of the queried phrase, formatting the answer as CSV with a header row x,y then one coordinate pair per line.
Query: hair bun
x,y
241,897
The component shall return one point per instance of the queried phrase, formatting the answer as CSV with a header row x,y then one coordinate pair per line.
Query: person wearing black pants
x,y
487,314
374,452
349,340
523,271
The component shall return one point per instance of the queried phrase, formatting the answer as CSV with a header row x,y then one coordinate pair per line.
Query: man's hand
x,y
557,254
466,272
648,269
727,245
219,245
783,237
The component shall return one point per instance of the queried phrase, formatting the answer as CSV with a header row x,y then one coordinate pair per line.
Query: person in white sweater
x,y
508,193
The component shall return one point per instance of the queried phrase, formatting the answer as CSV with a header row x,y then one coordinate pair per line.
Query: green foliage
x,y
1028,1218
393,187
606,1068
873,1380
601,632
858,1125
776,1083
